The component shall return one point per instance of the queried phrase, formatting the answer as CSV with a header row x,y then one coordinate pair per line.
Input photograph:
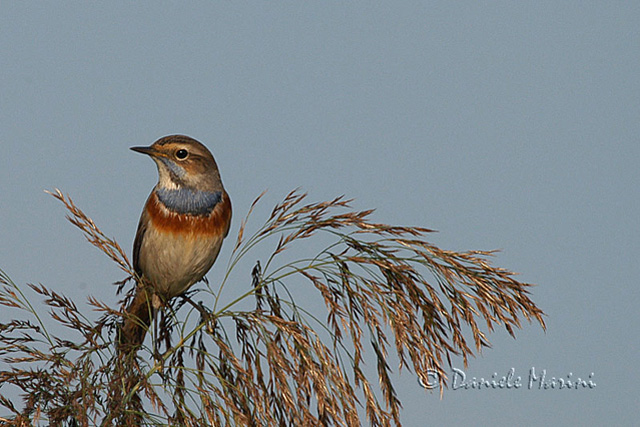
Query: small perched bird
x,y
180,232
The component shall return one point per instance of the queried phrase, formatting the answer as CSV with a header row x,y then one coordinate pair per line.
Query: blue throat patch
x,y
188,201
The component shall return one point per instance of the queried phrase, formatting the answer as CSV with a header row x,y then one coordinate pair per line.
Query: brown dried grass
x,y
267,366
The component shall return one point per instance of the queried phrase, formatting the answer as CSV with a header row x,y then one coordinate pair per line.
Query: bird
x,y
180,232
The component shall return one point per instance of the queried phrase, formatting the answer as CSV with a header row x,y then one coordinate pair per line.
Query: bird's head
x,y
183,162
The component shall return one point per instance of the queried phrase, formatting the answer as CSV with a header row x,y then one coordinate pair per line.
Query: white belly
x,y
173,262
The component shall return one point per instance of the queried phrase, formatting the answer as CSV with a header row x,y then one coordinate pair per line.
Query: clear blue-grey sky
x,y
509,125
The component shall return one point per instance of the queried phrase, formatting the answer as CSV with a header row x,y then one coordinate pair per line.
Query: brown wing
x,y
139,312
137,242
228,219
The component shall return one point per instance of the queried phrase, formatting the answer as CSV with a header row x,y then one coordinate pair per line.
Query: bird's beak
x,y
146,150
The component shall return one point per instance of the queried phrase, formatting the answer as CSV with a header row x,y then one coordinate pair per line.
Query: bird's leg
x,y
205,314
156,350
157,306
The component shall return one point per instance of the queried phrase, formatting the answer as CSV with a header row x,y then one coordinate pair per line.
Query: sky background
x,y
504,125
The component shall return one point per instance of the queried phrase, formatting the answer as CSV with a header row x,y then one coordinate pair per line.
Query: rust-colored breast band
x,y
215,224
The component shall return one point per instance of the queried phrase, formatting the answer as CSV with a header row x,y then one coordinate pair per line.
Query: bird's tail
x,y
127,374
136,321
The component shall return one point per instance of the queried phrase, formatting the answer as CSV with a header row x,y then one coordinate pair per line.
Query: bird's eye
x,y
182,154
